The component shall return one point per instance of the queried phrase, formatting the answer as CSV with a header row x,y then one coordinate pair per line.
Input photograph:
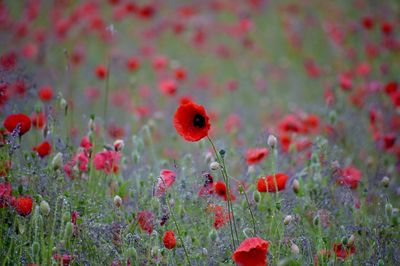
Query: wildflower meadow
x,y
199,132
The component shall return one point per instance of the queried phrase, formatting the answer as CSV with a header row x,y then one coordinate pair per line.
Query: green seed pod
x,y
35,248
332,117
256,196
316,220
66,217
278,205
68,231
44,208
213,234
344,240
388,209
131,253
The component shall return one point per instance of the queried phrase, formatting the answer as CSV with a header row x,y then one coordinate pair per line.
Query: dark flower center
x,y
199,121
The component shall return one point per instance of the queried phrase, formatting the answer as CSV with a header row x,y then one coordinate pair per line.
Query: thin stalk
x,y
106,95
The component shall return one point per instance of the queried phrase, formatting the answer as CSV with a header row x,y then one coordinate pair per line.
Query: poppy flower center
x,y
199,121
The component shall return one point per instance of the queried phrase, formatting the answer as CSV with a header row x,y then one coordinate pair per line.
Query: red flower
x,y
101,71
45,93
5,194
251,252
350,176
290,123
168,87
38,120
43,149
391,87
368,22
169,240
132,64
389,140
221,215
23,205
256,155
268,183
166,179
64,259
191,121
146,221
343,252
107,161
11,122
220,190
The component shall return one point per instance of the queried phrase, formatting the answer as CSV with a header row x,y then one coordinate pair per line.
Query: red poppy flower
x,y
191,121
389,140
368,22
166,179
221,215
180,73
256,155
43,149
342,251
168,87
45,93
350,176
5,194
169,240
146,221
101,71
251,252
38,120
220,190
268,183
391,87
107,161
132,64
23,205
11,122
290,123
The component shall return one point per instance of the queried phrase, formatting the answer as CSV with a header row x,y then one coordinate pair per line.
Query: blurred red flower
x,y
23,205
166,179
349,176
43,149
256,155
45,93
343,251
268,183
251,252
169,240
145,219
11,122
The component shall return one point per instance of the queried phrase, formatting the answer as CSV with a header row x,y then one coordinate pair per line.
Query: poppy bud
x,y
294,249
92,125
222,153
214,166
213,234
66,217
288,219
316,220
119,145
350,241
256,196
344,241
385,181
68,231
44,207
272,141
251,169
388,209
132,254
332,117
35,248
64,105
56,163
296,186
117,201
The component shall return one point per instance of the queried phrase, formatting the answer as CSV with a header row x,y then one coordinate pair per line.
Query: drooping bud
x,y
117,201
68,230
296,186
294,249
214,166
288,219
256,196
56,163
385,181
119,145
272,141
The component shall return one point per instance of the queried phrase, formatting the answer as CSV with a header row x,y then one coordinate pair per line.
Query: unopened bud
x,y
256,196
288,219
44,207
117,201
272,141
251,169
350,241
92,125
119,145
212,235
68,230
294,249
214,166
385,181
388,209
56,163
296,186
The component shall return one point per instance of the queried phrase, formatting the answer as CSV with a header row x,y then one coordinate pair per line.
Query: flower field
x,y
212,132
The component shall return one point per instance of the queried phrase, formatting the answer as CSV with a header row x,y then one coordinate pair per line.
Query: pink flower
x,y
166,179
107,161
